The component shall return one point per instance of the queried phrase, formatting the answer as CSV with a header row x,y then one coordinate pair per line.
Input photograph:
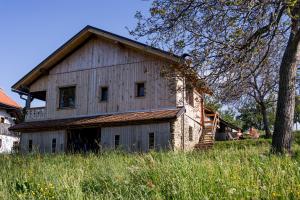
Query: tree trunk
x,y
265,120
282,136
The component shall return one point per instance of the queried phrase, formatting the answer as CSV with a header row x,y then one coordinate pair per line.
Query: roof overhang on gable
x,y
77,41
80,39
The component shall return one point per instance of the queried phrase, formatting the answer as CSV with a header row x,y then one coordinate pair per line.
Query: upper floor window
x,y
67,97
189,94
2,119
140,89
104,94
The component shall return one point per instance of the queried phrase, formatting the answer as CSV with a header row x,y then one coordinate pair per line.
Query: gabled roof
x,y
100,120
76,42
7,101
83,36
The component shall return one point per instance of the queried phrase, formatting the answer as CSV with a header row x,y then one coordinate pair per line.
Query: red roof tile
x,y
6,100
98,121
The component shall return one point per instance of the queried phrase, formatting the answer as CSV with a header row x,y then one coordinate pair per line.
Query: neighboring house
x,y
9,113
102,90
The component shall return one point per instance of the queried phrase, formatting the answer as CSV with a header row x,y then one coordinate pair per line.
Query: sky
x,y
31,30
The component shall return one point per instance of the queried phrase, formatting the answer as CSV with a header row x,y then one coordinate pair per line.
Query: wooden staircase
x,y
207,138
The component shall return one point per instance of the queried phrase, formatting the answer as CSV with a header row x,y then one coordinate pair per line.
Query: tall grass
x,y
234,170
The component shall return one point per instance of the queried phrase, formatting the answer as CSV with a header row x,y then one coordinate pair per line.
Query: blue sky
x,y
32,29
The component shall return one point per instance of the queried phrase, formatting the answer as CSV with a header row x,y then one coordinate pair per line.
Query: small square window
x,y
191,133
117,141
67,97
2,120
140,89
151,141
104,94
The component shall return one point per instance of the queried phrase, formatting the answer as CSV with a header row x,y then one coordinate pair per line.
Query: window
x,y
151,141
189,95
53,145
67,97
140,89
190,133
0,143
2,120
117,141
104,94
30,145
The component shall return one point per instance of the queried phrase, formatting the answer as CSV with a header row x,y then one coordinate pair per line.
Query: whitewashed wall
x,y
42,141
136,137
8,119
7,143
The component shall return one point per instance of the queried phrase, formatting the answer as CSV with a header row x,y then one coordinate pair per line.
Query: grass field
x,y
233,170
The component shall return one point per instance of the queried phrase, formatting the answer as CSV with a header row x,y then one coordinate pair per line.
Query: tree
x,y
224,38
251,116
297,111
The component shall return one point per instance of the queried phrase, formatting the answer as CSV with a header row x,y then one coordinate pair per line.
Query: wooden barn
x,y
104,91
10,112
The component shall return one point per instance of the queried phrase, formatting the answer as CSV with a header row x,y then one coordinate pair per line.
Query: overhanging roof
x,y
76,42
83,36
99,121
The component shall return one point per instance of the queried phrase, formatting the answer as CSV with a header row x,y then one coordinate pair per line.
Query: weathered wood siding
x,y
42,141
102,63
136,137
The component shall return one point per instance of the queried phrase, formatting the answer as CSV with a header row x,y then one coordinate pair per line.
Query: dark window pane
x,y
104,93
0,143
140,89
190,95
67,97
151,141
190,133
30,145
117,140
2,120
53,145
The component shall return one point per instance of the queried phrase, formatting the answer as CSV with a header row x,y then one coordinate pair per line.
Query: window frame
x,y
191,133
119,139
30,145
101,93
189,95
59,96
151,146
53,145
136,88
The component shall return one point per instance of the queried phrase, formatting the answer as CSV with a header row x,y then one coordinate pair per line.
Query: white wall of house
x,y
7,143
8,118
